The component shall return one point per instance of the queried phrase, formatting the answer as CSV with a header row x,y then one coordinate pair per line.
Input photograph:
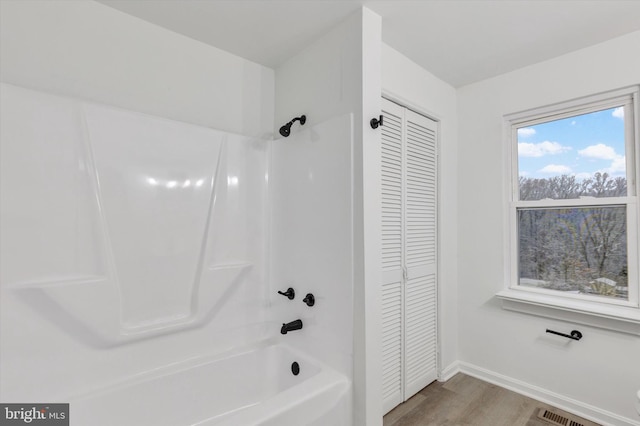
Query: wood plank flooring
x,y
467,401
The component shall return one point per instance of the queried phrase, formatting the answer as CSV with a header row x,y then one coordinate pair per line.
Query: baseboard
x,y
450,371
570,405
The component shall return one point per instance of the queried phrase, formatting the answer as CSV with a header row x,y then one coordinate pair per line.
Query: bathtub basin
x,y
254,386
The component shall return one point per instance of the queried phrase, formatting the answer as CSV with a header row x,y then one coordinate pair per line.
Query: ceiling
x,y
459,41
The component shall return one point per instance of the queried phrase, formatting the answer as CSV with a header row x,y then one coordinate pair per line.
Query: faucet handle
x,y
290,293
309,299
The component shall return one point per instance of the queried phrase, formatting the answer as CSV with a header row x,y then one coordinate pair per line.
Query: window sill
x,y
617,318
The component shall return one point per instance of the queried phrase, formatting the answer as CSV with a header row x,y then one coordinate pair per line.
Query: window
x,y
573,205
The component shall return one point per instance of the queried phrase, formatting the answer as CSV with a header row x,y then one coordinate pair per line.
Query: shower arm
x,y
301,119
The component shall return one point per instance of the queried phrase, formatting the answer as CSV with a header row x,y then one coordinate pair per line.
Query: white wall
x,y
601,372
410,85
88,50
339,74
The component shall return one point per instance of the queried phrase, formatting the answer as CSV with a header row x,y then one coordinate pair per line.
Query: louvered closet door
x,y
420,302
392,255
408,253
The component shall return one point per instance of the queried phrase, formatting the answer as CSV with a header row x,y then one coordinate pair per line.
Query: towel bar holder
x,y
575,334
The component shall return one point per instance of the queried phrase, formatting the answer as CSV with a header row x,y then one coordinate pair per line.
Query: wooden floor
x,y
464,400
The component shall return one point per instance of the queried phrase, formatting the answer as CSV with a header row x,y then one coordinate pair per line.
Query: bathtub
x,y
254,386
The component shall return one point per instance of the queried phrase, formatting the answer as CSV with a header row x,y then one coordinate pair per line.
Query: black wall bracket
x,y
375,122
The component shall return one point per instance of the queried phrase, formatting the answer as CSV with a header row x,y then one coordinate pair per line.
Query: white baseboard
x,y
450,371
567,404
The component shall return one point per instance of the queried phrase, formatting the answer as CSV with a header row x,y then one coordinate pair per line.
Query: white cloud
x,y
599,152
605,152
618,112
618,166
573,123
557,169
540,149
525,132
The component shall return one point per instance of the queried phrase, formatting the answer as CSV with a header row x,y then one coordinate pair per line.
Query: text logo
x,y
34,414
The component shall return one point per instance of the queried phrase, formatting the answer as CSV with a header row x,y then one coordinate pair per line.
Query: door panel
x,y
409,253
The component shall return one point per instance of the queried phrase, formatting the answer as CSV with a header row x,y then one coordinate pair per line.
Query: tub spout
x,y
290,326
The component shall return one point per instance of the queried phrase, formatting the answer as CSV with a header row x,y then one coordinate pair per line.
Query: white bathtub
x,y
252,387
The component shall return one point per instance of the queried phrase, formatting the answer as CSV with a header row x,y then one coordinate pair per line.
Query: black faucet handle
x,y
309,299
290,293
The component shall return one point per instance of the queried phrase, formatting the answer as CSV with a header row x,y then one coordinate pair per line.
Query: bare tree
x,y
568,187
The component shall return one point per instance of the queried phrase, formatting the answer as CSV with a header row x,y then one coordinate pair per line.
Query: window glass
x,y
575,157
581,250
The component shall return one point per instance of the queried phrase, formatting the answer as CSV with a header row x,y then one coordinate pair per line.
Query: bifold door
x,y
409,255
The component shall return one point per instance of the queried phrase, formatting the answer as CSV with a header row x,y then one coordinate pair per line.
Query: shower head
x,y
286,129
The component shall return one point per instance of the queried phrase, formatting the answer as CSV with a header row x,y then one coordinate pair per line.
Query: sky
x,y
580,145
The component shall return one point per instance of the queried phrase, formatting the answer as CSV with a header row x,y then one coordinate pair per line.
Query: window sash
x,y
627,98
632,255
573,202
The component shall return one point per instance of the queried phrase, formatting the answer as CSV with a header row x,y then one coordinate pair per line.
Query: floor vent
x,y
558,419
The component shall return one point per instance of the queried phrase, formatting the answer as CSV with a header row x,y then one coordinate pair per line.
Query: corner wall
x,y
338,74
599,375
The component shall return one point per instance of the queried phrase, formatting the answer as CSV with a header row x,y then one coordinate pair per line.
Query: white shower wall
x,y
311,244
83,51
128,242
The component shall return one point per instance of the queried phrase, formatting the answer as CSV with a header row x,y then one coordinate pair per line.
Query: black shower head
x,y
286,129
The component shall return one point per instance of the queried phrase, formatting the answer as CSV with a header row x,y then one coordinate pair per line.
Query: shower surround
x,y
141,253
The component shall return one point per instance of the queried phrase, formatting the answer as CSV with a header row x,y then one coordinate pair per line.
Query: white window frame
x,y
604,312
